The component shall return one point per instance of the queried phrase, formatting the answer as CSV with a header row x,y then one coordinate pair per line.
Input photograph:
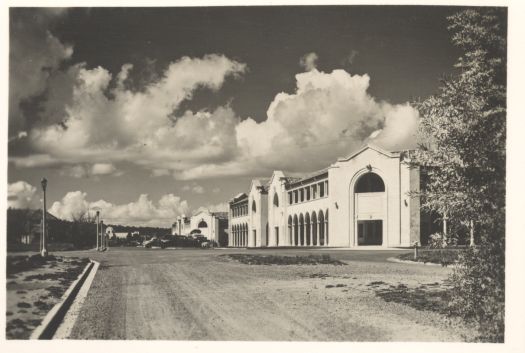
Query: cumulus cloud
x,y
143,211
103,169
329,115
35,55
196,189
158,172
86,171
140,126
92,122
309,61
220,207
22,195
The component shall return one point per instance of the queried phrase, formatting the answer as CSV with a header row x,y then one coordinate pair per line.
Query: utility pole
x,y
102,247
472,242
98,220
445,218
43,250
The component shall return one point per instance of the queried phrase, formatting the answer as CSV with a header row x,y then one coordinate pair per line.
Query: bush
x,y
479,289
444,257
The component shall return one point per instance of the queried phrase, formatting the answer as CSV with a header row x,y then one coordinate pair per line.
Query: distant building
x,y
211,225
120,235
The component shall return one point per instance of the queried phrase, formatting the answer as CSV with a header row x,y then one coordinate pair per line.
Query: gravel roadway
x,y
194,294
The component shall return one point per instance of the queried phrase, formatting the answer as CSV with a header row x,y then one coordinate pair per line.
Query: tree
x,y
463,128
83,230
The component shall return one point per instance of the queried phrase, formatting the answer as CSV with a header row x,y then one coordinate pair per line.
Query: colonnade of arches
x,y
240,235
308,229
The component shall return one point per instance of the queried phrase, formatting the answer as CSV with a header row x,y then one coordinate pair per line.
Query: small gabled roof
x,y
366,147
309,176
261,183
239,197
274,173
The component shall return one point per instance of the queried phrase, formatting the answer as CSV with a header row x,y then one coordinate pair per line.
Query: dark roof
x,y
308,177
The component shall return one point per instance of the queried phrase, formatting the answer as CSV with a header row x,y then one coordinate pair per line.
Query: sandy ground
x,y
31,294
200,295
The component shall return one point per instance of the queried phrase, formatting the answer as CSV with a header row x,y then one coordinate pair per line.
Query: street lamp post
x,y
102,247
43,250
98,218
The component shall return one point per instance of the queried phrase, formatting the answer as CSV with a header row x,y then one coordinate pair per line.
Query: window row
x,y
307,193
239,210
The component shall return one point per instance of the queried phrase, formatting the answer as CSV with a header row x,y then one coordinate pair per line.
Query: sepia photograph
x,y
263,173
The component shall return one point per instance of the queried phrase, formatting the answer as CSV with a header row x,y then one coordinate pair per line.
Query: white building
x,y
362,199
212,225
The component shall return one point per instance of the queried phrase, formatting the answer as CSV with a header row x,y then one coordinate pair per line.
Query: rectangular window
x,y
290,198
314,191
308,194
302,195
296,196
326,187
321,190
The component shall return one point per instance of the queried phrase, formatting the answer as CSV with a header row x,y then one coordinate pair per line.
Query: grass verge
x,y
284,260
443,257
37,286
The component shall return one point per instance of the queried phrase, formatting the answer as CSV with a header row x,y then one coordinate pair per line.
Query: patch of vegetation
x,y
55,291
375,283
444,257
318,275
249,259
23,305
420,298
16,264
329,286
43,306
65,277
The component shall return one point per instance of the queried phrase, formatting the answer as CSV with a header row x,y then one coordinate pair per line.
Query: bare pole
x,y
43,250
102,248
445,218
472,242
98,219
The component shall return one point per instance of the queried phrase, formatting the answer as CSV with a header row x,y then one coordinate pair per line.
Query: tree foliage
x,y
463,134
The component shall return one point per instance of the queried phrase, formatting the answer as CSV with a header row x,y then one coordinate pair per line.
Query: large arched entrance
x,y
370,209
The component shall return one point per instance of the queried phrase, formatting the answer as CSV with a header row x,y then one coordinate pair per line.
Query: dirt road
x,y
200,295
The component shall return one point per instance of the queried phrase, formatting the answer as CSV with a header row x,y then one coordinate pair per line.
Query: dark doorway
x,y
370,232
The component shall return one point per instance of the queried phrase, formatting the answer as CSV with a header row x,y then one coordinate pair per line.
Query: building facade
x,y
360,200
211,225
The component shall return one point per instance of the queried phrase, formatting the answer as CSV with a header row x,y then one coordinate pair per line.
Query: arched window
x,y
370,182
254,208
275,200
203,224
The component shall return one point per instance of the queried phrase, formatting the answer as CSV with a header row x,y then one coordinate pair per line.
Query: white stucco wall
x,y
211,231
277,215
395,214
398,212
257,219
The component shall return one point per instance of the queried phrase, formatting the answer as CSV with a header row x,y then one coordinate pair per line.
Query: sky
x,y
150,113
